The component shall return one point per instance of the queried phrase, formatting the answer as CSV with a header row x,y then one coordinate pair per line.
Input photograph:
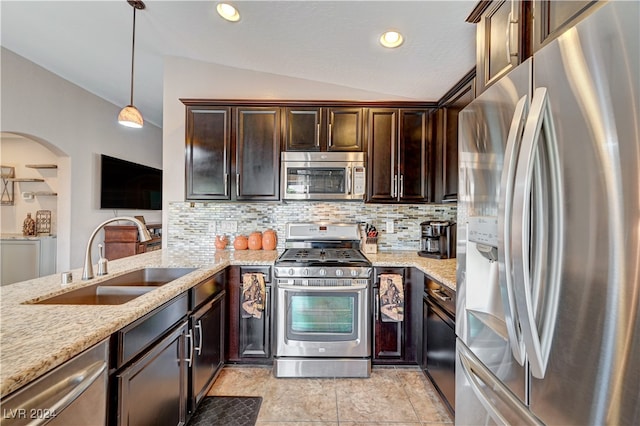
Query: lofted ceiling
x,y
335,42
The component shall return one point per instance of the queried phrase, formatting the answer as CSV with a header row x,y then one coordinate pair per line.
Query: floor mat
x,y
227,410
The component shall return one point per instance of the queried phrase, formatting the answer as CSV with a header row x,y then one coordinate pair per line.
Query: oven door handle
x,y
323,288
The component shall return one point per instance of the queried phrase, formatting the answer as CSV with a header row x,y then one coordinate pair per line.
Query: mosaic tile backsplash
x,y
194,226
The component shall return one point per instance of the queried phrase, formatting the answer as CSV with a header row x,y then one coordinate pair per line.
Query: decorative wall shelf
x,y
26,179
42,166
8,179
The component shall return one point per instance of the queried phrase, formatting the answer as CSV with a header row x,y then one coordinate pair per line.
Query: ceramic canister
x,y
269,239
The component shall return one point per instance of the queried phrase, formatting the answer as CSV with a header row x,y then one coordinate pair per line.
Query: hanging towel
x,y
253,295
391,298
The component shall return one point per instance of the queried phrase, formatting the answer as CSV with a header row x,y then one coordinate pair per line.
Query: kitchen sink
x,y
147,277
120,289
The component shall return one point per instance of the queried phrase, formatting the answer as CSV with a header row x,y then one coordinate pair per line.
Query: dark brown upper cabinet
x,y
314,128
445,126
510,31
398,155
208,153
303,128
232,153
257,153
501,39
551,18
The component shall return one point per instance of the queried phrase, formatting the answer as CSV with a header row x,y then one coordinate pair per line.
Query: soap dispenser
x,y
102,262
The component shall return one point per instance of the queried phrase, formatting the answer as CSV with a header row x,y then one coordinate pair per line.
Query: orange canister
x,y
269,239
255,241
240,243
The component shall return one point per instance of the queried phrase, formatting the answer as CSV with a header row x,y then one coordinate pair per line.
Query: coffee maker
x,y
438,239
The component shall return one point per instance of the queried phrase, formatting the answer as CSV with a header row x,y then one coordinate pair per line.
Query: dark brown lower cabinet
x,y
164,363
152,391
207,325
398,342
248,339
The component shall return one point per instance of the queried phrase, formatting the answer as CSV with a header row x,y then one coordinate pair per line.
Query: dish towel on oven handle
x,y
391,298
253,295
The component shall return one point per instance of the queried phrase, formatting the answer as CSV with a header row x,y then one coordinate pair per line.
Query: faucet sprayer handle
x,y
102,262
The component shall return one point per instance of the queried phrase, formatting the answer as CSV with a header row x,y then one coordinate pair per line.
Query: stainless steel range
x,y
323,289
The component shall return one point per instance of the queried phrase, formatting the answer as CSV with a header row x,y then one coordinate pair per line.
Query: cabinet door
x,y
20,260
152,390
382,155
302,127
413,156
208,149
247,339
499,43
389,337
255,333
551,18
207,330
446,143
344,129
258,154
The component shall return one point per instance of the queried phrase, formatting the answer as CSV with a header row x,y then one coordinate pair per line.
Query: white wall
x,y
78,126
16,151
185,78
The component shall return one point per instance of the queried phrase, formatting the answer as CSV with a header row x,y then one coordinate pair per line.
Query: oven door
x,y
326,180
323,321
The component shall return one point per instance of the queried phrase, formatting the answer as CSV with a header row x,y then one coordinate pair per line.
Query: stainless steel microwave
x,y
323,175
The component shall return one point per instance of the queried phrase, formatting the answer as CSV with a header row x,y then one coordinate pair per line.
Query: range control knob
x,y
290,271
354,273
322,272
305,271
339,272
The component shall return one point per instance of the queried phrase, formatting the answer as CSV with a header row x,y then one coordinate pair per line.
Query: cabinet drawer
x,y
135,337
203,291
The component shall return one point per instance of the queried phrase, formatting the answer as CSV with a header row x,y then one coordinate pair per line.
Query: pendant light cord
x,y
133,51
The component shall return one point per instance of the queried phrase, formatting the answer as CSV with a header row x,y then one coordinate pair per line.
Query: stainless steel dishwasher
x,y
439,339
74,393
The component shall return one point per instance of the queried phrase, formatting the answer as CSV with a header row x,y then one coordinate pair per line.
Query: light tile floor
x,y
391,396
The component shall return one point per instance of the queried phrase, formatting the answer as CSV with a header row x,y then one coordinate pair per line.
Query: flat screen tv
x,y
127,185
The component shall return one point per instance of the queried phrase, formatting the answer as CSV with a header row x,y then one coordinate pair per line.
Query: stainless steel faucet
x,y
87,272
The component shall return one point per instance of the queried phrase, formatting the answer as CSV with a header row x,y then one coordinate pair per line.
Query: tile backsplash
x,y
193,226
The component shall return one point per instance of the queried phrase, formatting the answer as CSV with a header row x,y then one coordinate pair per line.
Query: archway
x,y
19,150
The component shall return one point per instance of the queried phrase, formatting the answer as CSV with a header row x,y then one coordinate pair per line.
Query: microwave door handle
x,y
348,183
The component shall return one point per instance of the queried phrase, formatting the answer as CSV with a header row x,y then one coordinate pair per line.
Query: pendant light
x,y
130,116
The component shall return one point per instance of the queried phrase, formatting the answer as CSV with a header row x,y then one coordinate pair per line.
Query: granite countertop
x,y
36,338
443,271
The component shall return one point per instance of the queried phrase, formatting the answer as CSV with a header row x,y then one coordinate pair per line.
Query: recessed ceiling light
x,y
228,12
391,39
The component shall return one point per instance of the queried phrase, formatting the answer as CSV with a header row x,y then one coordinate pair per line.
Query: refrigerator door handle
x,y
482,381
505,208
530,278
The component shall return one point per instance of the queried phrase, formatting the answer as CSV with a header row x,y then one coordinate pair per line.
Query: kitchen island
x,y
34,339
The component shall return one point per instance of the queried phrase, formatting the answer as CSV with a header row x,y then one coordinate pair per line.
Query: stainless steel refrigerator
x,y
548,246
